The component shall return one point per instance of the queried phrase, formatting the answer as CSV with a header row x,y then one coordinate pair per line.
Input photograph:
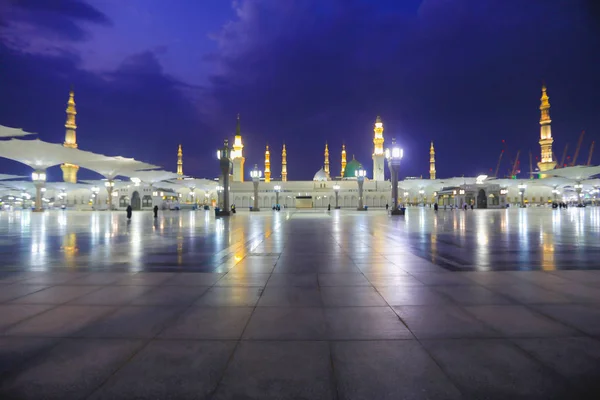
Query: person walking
x,y
155,211
387,206
129,210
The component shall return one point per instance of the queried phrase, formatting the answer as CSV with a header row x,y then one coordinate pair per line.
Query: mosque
x,y
143,185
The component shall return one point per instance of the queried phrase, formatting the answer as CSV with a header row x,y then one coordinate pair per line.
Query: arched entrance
x,y
135,201
481,199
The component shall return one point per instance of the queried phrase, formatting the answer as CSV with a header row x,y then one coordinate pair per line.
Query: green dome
x,y
351,167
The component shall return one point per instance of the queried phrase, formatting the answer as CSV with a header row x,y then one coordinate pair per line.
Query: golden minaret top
x,y
546,161
378,137
343,159
179,163
326,166
431,162
267,165
284,164
70,135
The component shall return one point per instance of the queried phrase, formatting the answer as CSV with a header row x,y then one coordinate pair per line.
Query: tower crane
x,y
589,161
514,170
562,160
498,165
577,149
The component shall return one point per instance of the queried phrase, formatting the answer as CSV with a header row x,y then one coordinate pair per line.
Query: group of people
x,y
130,211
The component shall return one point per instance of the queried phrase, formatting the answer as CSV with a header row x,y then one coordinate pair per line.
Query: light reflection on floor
x,y
539,239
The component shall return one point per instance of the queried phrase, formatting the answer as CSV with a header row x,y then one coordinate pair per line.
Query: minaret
x,y
431,162
179,163
343,160
237,154
70,170
378,155
546,162
284,164
267,165
326,166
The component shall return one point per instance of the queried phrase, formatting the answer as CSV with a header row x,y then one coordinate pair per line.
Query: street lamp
x,y
110,185
360,174
219,191
336,190
578,188
225,163
255,174
394,157
522,188
277,190
95,191
39,180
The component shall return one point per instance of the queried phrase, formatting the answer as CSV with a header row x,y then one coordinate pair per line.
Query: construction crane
x,y
514,170
498,165
591,152
577,149
530,166
562,160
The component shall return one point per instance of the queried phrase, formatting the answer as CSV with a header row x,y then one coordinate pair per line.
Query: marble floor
x,y
494,304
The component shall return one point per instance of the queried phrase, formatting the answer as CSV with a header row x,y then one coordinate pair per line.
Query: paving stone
x,y
378,370
286,323
278,370
209,323
368,323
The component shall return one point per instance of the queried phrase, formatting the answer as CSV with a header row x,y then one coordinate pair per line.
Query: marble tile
x,y
169,369
376,370
16,290
278,370
286,280
442,322
519,321
290,297
170,296
344,296
495,369
194,279
472,295
285,323
16,351
230,297
208,323
585,318
10,314
411,296
364,323
343,280
56,295
71,370
132,322
112,295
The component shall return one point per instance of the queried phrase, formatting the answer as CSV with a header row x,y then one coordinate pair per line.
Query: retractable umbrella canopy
x,y
153,176
110,167
7,132
41,155
4,177
578,172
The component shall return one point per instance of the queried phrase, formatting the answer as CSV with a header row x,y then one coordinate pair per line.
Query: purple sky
x,y
150,74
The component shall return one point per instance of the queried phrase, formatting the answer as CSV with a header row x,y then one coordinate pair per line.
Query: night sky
x,y
150,74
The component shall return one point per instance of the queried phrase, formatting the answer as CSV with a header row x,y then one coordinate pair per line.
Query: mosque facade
x,y
327,188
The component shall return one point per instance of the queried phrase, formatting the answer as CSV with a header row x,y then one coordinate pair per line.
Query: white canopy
x,y
110,167
195,183
66,186
42,155
578,172
6,132
4,177
153,176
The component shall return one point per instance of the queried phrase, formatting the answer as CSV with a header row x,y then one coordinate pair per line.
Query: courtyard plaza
x,y
300,305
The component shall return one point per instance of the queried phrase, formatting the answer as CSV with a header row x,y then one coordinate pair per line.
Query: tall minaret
x,y
546,162
267,165
431,162
179,163
70,170
237,154
343,160
284,164
326,166
378,154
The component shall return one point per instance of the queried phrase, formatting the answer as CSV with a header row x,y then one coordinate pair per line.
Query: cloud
x,y
39,26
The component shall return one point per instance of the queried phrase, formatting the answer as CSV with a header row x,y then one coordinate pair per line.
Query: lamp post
x,y
225,163
422,196
255,174
39,181
95,191
219,191
110,185
277,190
336,190
360,174
578,189
555,193
522,188
394,157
